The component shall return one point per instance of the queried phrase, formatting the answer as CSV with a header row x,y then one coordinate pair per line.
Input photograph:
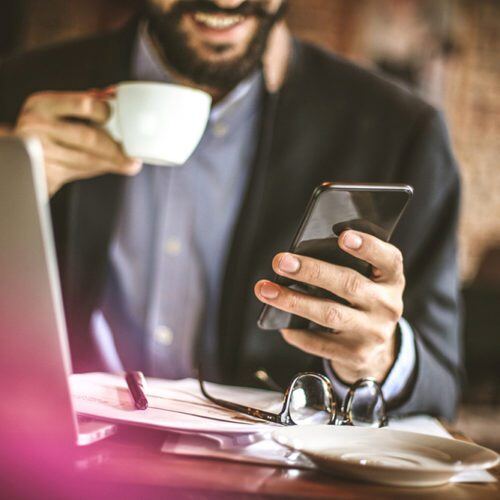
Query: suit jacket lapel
x,y
235,289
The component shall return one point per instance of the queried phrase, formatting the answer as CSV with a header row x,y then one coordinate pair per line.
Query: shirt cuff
x,y
401,372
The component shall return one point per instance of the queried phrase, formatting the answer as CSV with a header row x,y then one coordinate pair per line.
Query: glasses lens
x,y
366,406
311,401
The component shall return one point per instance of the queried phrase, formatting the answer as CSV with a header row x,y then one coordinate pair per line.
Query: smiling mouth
x,y
218,22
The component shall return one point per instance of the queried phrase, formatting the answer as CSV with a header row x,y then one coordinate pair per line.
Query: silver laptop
x,y
35,402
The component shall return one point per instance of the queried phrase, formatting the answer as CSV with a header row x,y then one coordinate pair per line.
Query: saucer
x,y
385,456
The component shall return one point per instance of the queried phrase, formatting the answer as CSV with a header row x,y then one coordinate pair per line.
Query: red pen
x,y
136,385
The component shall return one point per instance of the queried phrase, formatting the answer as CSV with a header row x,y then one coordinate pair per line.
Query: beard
x,y
178,53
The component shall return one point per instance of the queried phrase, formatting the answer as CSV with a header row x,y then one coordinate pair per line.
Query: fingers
x,y
74,149
328,346
324,312
58,174
342,281
83,105
74,135
43,112
385,258
79,161
319,344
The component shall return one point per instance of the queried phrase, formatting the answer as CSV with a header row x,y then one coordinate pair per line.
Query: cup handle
x,y
111,126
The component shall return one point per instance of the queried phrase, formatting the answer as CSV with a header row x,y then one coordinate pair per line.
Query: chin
x,y
230,56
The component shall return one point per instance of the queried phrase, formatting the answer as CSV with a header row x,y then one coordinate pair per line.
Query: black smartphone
x,y
333,208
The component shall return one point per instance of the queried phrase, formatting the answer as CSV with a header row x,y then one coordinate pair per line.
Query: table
x,y
130,465
132,462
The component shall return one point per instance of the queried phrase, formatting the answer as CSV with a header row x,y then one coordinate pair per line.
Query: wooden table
x,y
130,465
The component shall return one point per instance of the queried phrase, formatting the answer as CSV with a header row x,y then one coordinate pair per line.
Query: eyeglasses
x,y
311,399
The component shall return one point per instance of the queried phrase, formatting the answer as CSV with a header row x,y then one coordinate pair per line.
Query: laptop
x,y
35,401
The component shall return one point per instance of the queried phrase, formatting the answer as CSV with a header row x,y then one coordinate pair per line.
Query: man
x,y
158,264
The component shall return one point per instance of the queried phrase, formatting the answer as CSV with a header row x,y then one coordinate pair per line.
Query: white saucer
x,y
385,456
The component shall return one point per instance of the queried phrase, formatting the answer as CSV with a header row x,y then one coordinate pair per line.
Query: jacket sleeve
x,y
10,101
431,298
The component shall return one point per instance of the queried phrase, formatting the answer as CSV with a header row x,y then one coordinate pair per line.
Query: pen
x,y
136,385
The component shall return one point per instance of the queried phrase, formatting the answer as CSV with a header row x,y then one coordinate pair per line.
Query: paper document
x,y
173,404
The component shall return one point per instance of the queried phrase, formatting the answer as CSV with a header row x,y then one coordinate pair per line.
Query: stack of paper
x,y
173,404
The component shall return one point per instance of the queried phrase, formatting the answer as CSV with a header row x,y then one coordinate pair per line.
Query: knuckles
x,y
397,259
292,302
332,317
396,311
393,308
313,271
86,105
397,265
352,284
93,108
402,281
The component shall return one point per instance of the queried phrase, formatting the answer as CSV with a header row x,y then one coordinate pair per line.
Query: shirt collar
x,y
146,62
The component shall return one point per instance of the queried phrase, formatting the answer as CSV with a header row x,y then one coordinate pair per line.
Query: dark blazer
x,y
331,121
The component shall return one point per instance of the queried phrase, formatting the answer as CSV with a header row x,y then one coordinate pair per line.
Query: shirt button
x,y
173,246
220,129
164,335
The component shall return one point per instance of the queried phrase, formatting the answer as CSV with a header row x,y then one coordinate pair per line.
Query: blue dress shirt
x,y
169,250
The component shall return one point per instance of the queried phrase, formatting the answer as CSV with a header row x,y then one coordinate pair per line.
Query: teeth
x,y
217,21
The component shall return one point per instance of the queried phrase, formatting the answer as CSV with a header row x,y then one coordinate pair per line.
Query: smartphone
x,y
333,208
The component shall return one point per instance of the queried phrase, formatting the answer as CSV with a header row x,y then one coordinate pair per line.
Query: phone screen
x,y
334,208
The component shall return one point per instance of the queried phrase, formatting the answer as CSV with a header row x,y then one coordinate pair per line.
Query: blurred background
x,y
449,51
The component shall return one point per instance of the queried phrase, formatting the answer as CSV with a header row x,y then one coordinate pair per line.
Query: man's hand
x,y
74,145
363,342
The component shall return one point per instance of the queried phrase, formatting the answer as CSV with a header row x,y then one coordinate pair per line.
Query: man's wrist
x,y
378,366
399,374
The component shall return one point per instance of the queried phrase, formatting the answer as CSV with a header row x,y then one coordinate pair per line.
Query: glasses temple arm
x,y
253,412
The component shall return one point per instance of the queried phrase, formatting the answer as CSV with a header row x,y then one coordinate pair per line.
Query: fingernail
x,y
134,164
352,241
289,263
269,291
131,168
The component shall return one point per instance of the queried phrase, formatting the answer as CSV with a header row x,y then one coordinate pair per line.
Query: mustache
x,y
255,8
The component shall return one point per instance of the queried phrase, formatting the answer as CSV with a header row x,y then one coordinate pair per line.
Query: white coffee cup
x,y
158,123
